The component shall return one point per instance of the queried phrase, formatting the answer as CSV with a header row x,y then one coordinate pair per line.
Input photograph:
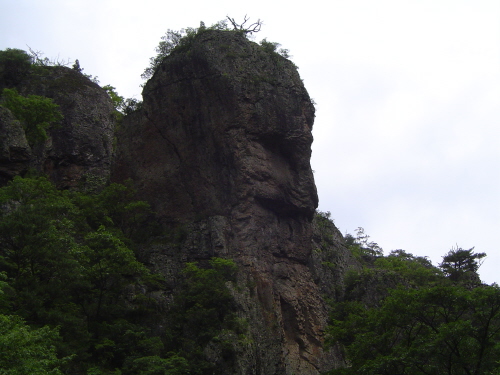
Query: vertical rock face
x,y
223,144
15,153
79,150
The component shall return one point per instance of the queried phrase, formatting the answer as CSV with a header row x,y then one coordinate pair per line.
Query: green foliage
x,y
273,47
326,216
36,113
461,265
25,350
176,41
155,365
122,106
15,66
115,98
413,270
203,309
131,105
436,330
361,247
401,315
68,263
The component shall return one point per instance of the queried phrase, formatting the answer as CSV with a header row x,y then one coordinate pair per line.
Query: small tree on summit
x,y
462,265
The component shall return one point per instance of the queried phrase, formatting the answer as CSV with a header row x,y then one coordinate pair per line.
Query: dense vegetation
x,y
401,315
76,299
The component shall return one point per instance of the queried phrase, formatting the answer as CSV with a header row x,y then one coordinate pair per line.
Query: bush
x,y
36,113
15,66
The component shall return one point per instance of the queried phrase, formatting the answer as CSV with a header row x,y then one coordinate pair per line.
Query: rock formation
x,y
221,150
79,150
15,153
222,146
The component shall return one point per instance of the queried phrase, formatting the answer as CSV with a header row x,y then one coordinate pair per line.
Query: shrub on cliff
x,y
15,66
36,113
176,40
181,40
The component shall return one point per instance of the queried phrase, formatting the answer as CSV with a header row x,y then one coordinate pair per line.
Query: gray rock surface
x,y
222,148
15,153
78,152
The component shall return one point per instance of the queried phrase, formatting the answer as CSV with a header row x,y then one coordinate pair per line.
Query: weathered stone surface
x,y
79,151
81,148
225,124
15,153
222,147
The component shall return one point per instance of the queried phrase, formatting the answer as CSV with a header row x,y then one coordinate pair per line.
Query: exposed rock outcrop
x,y
79,150
222,146
15,153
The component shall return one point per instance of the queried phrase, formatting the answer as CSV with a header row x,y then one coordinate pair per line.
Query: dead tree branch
x,y
252,28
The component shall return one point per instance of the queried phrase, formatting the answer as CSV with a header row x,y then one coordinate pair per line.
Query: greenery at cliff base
x,y
400,315
75,299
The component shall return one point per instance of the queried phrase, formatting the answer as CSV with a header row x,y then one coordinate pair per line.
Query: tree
x,y
439,330
203,310
462,265
413,270
26,350
360,246
115,98
15,66
36,113
68,263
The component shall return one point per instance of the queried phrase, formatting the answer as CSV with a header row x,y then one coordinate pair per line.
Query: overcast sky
x,y
407,136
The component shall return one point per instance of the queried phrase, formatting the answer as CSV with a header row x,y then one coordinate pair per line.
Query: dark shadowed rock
x,y
79,150
222,146
221,124
15,153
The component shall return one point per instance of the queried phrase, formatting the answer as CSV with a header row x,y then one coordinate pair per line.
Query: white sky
x,y
407,136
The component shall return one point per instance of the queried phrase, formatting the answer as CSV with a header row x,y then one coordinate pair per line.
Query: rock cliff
x,y
79,150
222,147
221,150
15,153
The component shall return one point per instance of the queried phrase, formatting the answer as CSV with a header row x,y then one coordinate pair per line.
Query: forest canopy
x,y
401,315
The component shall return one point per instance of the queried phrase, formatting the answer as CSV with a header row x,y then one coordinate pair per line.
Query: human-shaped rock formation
x,y
223,144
